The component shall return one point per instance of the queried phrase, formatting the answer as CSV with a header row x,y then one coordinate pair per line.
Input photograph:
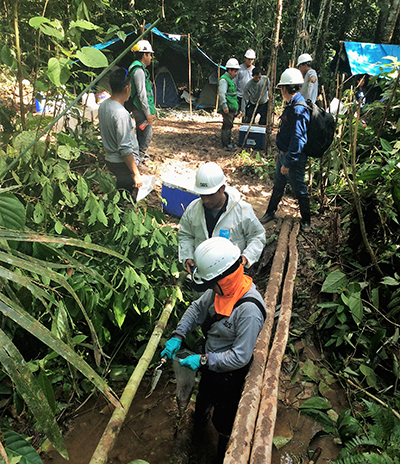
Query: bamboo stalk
x,y
239,448
20,75
109,437
264,432
3,454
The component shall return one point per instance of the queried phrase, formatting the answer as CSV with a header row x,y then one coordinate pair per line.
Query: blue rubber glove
x,y
171,347
192,362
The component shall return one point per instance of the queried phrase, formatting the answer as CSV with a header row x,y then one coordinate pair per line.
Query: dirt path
x,y
180,144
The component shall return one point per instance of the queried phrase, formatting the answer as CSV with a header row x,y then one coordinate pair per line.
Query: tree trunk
x,y
321,32
271,97
388,17
300,27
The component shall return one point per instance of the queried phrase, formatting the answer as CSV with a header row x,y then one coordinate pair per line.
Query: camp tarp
x,y
166,92
372,59
208,96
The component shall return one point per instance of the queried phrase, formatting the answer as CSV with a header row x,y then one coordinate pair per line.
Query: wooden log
x,y
239,448
261,452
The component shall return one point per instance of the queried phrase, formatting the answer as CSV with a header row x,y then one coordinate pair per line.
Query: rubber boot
x,y
272,206
222,444
304,204
225,137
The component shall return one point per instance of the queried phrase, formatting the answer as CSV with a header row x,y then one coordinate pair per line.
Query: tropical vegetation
x,y
84,271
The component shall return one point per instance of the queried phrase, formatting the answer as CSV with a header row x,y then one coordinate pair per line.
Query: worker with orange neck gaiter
x,y
231,313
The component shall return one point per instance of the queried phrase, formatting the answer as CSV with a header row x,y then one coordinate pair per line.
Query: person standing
x,y
228,102
231,313
291,139
142,97
309,89
219,212
252,91
244,73
118,134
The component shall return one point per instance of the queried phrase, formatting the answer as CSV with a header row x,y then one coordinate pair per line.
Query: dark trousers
x,y
296,180
125,179
261,110
143,135
221,390
227,124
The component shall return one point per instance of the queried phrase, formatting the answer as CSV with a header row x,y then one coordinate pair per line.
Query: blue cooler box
x,y
255,139
177,194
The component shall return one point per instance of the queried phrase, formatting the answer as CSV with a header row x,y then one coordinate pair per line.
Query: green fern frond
x,y
367,458
357,445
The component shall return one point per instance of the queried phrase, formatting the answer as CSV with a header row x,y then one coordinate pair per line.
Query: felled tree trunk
x,y
239,448
261,452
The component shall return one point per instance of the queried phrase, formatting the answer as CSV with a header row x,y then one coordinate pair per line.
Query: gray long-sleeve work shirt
x,y
253,90
231,340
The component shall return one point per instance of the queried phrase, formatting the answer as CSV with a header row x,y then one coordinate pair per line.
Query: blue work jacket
x,y
292,134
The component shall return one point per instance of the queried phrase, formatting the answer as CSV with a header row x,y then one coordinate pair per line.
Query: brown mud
x,y
153,431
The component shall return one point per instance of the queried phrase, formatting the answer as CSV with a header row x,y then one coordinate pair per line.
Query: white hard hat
x,y
251,54
209,178
215,258
143,46
232,63
304,58
291,76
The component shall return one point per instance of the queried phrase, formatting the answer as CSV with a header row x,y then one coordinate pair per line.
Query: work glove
x,y
171,347
192,362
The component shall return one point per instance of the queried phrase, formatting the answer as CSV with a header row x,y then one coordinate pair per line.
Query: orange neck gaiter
x,y
233,287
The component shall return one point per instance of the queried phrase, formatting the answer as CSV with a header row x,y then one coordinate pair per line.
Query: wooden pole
x,y
190,77
239,448
109,437
217,100
261,452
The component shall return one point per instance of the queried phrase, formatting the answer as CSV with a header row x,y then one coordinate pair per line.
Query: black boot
x,y
272,206
225,137
304,204
222,444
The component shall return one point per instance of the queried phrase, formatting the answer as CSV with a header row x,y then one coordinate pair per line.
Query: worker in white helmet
x,y
245,73
228,102
231,313
141,102
290,159
309,89
219,212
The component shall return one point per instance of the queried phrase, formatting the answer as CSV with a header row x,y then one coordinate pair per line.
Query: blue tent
x,y
372,59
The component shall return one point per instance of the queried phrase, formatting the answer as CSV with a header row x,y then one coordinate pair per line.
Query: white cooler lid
x,y
253,130
183,182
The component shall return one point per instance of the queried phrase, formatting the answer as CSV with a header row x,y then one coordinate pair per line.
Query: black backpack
x,y
320,131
